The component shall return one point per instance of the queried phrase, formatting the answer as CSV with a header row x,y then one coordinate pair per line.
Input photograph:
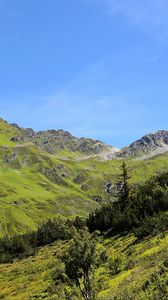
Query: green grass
x,y
141,260
32,278
6,133
28,195
27,199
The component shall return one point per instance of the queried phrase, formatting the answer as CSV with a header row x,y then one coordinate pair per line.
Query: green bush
x,y
116,264
152,226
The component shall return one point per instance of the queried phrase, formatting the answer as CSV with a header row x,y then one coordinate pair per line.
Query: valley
x,y
51,175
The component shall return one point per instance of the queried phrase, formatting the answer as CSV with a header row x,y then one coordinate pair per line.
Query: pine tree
x,y
124,187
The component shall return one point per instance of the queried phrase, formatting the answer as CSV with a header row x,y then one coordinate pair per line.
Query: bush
x,y
116,264
152,226
22,246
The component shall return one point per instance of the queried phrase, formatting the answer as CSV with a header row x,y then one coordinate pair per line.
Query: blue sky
x,y
97,68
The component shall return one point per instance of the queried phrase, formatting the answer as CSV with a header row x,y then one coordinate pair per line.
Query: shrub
x,y
116,264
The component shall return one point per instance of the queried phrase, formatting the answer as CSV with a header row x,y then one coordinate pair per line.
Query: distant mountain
x,y
54,141
148,146
57,141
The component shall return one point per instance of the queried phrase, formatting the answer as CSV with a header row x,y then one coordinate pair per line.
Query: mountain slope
x,y
142,272
36,185
33,186
148,146
54,141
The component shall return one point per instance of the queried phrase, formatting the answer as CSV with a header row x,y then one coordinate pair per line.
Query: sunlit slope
x,y
36,185
142,272
30,195
27,199
31,190
6,133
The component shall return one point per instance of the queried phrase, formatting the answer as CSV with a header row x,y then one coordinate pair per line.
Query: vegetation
x,y
124,188
22,246
89,268
140,210
64,184
131,270
80,261
60,258
133,209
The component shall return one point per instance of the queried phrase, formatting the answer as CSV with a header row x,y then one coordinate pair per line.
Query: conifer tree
x,y
124,192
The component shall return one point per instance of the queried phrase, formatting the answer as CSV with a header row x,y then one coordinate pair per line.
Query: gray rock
x,y
54,141
17,138
153,143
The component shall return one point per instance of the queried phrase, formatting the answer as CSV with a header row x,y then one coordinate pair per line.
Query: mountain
x,y
54,141
35,185
38,180
148,146
48,174
57,142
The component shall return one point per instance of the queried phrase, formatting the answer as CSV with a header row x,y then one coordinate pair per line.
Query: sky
x,y
96,68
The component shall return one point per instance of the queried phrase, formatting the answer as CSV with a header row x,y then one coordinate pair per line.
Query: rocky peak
x,y
149,145
54,141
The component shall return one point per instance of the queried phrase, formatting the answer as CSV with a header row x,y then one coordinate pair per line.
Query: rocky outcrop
x,y
113,189
146,147
17,138
54,141
108,188
52,175
97,198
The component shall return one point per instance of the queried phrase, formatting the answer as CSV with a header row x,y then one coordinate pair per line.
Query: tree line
x,y
134,207
22,246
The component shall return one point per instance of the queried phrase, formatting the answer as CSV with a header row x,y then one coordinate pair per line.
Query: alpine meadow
x,y
83,150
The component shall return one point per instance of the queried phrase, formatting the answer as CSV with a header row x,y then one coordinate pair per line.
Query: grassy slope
x,y
27,196
6,132
32,278
141,260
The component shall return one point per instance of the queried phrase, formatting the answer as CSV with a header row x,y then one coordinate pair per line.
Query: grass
x,y
141,260
32,278
31,191
35,185
26,200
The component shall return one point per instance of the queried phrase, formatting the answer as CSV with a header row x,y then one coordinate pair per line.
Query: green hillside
x,y
36,185
143,272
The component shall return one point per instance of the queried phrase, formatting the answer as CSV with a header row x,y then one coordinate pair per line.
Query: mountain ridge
x,y
54,141
36,185
147,146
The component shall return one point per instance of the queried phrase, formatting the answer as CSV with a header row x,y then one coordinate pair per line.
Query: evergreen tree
x,y
124,187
